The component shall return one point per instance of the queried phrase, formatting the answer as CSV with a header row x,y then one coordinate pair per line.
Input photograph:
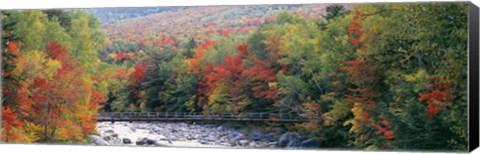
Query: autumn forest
x,y
380,76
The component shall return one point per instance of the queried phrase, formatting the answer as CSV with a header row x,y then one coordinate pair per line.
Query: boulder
x,y
126,141
294,141
141,141
219,128
289,140
310,143
107,138
255,135
151,142
203,142
222,134
102,126
284,139
270,137
114,135
235,140
109,131
97,140
230,136
147,141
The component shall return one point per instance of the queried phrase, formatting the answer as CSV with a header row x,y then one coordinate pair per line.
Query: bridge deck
x,y
184,116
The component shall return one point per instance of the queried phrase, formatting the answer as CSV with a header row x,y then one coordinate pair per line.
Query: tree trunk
x,y
49,110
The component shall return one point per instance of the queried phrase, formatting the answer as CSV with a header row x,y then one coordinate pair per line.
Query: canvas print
x,y
379,76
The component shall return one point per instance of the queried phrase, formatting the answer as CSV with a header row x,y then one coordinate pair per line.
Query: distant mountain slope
x,y
203,20
106,15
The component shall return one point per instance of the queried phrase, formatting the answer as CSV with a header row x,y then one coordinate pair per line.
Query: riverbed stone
x,y
284,139
97,140
114,135
220,128
270,137
150,142
203,142
102,126
255,135
141,141
289,140
294,141
109,131
310,143
235,140
126,141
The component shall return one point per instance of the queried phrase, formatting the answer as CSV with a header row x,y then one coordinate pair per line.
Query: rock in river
x,y
151,142
235,140
284,139
97,140
141,141
270,137
107,138
310,143
109,131
289,140
294,141
255,135
126,141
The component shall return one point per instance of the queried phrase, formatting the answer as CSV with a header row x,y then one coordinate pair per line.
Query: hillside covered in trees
x,y
380,76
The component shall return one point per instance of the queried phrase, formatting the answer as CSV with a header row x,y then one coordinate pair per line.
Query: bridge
x,y
185,116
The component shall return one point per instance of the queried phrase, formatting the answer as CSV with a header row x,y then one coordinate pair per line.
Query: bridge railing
x,y
152,116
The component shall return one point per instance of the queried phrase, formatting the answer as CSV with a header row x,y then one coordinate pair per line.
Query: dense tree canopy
x,y
50,94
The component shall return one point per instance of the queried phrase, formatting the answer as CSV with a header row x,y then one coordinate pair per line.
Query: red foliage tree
x,y
138,74
194,62
355,29
438,98
229,73
263,72
9,90
9,120
364,75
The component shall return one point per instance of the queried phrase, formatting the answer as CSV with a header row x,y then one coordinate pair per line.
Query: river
x,y
179,135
